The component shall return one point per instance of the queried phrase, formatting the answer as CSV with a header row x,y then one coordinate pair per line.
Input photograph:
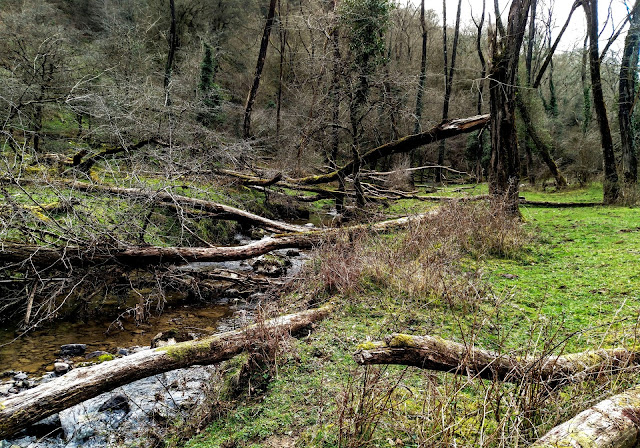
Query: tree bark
x,y
173,43
479,148
434,353
627,90
614,422
504,175
446,129
543,147
21,410
448,76
610,184
423,71
262,54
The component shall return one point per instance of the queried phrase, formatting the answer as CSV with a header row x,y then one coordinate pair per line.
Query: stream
x,y
129,412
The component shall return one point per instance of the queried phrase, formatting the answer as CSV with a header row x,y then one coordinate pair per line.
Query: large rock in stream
x,y
123,415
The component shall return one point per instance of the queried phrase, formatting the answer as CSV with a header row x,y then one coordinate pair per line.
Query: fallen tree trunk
x,y
614,422
85,165
446,129
559,204
21,410
434,353
139,256
222,211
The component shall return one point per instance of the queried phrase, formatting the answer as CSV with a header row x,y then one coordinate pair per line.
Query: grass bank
x,y
565,280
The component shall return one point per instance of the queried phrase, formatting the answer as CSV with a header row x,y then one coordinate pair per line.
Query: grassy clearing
x,y
565,281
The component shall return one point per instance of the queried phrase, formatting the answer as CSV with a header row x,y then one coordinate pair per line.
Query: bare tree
x,y
627,89
448,75
505,55
262,54
423,70
611,187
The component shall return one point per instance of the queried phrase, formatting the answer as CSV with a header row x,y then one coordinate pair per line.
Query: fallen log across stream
x,y
22,410
139,256
434,353
614,422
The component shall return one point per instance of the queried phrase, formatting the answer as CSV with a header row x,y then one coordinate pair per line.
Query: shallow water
x,y
35,352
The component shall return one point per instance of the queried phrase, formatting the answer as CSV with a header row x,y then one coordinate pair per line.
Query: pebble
x,y
61,368
123,352
20,376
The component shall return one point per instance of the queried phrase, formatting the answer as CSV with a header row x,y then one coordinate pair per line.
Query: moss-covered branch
x,y
434,353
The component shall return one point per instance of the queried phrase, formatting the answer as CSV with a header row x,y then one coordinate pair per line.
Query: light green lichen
x,y
184,350
106,357
370,345
401,340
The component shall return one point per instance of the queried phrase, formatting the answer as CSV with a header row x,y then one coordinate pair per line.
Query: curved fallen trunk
x,y
614,422
223,211
21,410
434,353
446,129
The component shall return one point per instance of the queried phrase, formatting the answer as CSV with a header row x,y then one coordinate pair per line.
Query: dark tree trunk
x,y
479,149
173,42
423,71
627,88
335,92
262,54
283,43
528,168
448,75
611,187
504,176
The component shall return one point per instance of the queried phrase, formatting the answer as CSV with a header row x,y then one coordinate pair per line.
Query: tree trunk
x,y
21,410
504,176
283,43
613,422
543,147
627,89
262,54
479,151
448,76
446,129
224,211
611,187
434,353
423,72
173,42
149,255
528,167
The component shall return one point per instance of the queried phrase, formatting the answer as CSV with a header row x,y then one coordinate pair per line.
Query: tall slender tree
x,y
627,88
422,81
611,186
262,55
448,75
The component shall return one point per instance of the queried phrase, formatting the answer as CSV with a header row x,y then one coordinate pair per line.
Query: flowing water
x,y
35,352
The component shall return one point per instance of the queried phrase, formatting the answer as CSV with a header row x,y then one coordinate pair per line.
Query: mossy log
x,y
434,353
614,422
138,256
85,164
446,129
23,409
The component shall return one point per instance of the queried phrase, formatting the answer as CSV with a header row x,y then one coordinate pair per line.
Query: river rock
x,y
73,349
61,368
123,352
48,427
95,354
171,337
20,376
115,403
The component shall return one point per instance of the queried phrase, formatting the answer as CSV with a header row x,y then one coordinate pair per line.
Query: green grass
x,y
575,286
